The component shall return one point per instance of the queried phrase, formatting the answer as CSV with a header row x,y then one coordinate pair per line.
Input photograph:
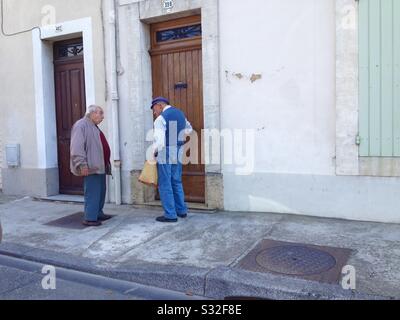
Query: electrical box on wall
x,y
13,155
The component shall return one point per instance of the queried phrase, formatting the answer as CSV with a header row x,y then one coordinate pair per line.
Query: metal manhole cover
x,y
295,260
299,260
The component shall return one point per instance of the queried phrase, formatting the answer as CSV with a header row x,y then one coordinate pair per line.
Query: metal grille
x,y
179,33
70,50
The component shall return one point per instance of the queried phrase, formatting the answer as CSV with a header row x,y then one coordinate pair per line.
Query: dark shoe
x,y
92,223
105,217
183,216
164,219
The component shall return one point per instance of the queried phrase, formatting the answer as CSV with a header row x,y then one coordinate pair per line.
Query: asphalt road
x,y
23,280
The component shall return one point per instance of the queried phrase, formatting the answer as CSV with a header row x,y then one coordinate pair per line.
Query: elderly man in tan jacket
x,y
90,158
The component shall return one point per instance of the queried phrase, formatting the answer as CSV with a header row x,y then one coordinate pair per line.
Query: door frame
x,y
46,130
138,17
190,178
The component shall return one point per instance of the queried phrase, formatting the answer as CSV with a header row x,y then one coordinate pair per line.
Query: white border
x,y
44,82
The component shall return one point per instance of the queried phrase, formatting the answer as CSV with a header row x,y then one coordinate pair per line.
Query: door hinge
x,y
358,140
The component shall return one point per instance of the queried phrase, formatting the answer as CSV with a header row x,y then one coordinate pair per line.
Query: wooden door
x,y
70,106
177,75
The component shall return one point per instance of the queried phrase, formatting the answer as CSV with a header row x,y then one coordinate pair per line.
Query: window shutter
x,y
379,77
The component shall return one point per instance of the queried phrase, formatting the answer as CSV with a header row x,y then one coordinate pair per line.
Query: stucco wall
x,y
292,107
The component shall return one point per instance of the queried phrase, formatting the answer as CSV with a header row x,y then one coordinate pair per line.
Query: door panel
x,y
177,75
70,107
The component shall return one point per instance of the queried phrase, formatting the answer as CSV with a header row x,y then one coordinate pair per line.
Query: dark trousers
x,y
95,195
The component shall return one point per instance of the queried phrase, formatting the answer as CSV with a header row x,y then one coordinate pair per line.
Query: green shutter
x,y
396,70
379,77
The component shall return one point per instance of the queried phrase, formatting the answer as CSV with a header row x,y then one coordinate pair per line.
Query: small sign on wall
x,y
13,155
168,5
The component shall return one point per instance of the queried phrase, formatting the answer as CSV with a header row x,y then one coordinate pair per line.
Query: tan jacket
x,y
86,148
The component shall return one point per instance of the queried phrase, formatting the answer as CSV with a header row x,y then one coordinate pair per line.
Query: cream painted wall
x,y
291,44
17,96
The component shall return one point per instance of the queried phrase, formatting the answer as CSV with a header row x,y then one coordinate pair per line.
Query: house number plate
x,y
168,4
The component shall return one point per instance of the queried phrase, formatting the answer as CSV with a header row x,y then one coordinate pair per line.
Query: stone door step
x,y
192,206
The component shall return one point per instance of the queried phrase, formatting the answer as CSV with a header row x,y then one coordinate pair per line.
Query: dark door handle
x,y
181,85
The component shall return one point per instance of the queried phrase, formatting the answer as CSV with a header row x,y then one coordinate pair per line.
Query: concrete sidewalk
x,y
199,255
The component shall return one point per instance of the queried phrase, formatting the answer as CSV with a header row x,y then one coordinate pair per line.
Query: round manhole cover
x,y
295,260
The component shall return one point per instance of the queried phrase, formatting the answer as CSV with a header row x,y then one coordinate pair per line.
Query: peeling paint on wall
x,y
255,77
237,75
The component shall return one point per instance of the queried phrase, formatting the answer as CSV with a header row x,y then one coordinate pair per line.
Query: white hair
x,y
92,109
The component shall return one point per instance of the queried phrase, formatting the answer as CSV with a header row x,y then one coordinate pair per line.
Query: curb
x,y
217,283
189,280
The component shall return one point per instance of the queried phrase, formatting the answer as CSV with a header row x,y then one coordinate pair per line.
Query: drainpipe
x,y
111,37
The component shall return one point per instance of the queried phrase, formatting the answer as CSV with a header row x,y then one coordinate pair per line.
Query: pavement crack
x,y
205,281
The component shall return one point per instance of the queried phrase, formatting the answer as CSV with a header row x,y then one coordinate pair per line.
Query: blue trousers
x,y
95,195
170,187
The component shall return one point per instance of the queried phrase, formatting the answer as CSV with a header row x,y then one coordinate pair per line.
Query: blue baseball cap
x,y
158,100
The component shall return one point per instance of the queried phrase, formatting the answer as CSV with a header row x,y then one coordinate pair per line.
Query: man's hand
x,y
85,172
155,153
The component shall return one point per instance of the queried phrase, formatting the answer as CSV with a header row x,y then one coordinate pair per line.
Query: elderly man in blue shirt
x,y
170,130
